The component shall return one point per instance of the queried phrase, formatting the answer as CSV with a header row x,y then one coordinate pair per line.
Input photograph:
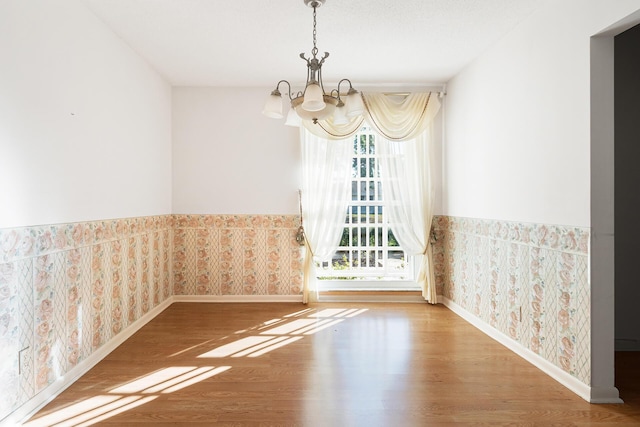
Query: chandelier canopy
x,y
314,103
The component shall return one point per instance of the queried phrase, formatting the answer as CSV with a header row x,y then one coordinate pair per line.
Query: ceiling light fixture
x,y
314,103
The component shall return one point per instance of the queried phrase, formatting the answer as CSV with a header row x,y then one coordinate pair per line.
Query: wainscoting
x,y
224,255
70,293
68,290
529,282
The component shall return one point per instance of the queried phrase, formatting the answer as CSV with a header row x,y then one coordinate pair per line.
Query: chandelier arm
x,y
340,82
335,93
289,94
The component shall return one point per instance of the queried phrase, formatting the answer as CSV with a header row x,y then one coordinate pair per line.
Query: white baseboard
x,y
237,298
588,393
36,403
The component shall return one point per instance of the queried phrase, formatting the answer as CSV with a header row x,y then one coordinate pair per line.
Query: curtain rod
x,y
404,90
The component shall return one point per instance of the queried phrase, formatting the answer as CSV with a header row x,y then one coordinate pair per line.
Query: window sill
x,y
368,285
361,295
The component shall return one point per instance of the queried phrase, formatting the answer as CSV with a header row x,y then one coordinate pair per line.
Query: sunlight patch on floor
x,y
263,338
127,396
287,331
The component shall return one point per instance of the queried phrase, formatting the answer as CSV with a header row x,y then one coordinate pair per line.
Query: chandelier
x,y
314,103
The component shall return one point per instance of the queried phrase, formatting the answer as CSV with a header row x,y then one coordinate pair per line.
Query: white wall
x,y
85,124
437,159
518,120
230,159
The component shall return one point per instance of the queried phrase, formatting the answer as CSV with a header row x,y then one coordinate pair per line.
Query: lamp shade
x,y
293,119
273,107
340,115
355,106
313,98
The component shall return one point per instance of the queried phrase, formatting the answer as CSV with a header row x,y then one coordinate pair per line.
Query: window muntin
x,y
368,249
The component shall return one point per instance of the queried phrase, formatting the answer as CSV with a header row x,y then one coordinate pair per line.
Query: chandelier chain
x,y
314,51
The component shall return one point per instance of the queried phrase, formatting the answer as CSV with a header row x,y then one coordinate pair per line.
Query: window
x,y
369,255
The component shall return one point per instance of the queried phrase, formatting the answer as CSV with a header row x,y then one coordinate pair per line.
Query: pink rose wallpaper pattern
x,y
528,281
237,255
68,289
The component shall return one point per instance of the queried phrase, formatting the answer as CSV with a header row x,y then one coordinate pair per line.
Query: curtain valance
x,y
396,117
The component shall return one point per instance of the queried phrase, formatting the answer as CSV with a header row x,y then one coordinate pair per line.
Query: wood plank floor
x,y
323,365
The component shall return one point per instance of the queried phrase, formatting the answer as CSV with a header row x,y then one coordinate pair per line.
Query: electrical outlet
x,y
23,361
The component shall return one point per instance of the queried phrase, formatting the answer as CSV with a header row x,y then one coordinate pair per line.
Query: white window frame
x,y
367,204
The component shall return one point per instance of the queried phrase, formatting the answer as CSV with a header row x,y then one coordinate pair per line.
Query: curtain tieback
x,y
308,246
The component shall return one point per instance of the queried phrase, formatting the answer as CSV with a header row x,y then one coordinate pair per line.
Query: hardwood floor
x,y
330,364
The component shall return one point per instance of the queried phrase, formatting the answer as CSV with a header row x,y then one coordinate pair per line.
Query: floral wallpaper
x,y
67,289
237,255
529,281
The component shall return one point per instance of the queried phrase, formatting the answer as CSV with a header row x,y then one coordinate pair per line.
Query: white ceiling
x,y
257,42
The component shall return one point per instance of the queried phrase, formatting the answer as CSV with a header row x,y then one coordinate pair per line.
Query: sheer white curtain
x,y
326,190
408,194
404,124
